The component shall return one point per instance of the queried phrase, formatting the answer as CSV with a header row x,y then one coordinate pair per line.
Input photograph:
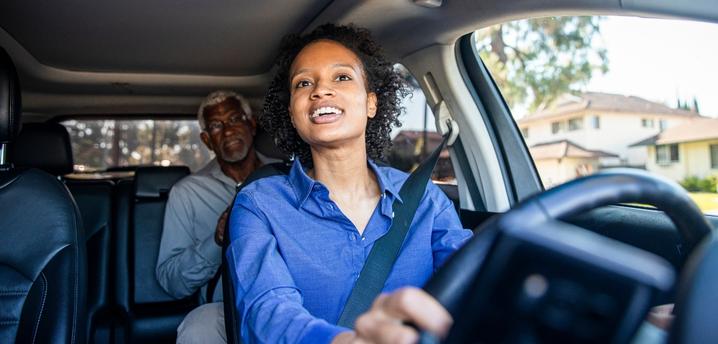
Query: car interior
x,y
78,251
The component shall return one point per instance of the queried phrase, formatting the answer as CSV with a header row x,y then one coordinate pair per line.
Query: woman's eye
x,y
303,83
343,77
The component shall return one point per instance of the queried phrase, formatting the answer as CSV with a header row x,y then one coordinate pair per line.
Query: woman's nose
x,y
322,89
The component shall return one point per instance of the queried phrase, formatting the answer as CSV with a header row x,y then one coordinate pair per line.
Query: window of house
x,y
575,124
714,156
98,145
667,153
603,68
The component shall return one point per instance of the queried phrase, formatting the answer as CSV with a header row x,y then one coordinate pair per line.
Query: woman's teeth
x,y
324,111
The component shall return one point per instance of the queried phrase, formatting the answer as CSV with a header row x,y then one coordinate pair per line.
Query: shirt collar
x,y
303,184
215,170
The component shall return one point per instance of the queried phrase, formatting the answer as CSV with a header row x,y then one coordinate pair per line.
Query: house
x,y
687,150
604,122
564,160
411,147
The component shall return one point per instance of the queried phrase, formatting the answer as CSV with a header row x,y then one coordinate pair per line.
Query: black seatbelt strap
x,y
381,259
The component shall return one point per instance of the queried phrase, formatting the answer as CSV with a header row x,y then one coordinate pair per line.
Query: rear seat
x,y
149,313
47,146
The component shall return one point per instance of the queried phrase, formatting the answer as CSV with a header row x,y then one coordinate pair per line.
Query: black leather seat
x,y
151,314
46,146
42,252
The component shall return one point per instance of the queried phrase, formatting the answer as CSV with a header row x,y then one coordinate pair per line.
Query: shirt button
x,y
392,214
363,238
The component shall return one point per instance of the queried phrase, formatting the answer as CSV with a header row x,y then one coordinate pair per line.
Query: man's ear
x,y
371,104
204,136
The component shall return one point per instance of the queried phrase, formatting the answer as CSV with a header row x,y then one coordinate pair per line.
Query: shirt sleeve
x,y
267,298
448,235
184,263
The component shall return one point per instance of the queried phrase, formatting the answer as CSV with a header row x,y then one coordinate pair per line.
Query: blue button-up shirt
x,y
296,256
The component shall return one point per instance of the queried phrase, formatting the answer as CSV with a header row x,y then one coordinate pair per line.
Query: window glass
x,y
417,137
99,145
666,154
714,156
575,124
587,90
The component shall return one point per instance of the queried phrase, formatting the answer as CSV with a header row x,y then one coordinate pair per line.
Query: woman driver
x,y
299,241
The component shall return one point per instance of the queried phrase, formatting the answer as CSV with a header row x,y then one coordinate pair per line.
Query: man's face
x,y
228,132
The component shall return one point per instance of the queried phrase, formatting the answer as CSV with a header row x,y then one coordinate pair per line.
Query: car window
x,y
417,137
590,93
99,145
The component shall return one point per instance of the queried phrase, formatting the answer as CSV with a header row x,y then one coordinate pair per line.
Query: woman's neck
x,y
344,172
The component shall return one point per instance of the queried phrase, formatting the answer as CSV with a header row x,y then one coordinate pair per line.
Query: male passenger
x,y
190,254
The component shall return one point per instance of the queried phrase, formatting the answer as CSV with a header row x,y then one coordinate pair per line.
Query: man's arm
x,y
185,263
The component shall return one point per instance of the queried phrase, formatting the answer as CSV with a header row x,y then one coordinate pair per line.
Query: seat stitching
x,y
42,306
76,305
13,293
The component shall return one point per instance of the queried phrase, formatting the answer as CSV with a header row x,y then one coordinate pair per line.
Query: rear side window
x,y
417,137
99,145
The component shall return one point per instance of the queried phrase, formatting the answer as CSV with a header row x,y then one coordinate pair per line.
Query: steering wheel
x,y
525,265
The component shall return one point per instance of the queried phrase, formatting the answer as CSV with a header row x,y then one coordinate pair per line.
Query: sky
x,y
660,60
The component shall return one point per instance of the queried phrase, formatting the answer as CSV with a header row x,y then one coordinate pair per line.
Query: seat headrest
x,y
156,181
9,99
45,146
264,144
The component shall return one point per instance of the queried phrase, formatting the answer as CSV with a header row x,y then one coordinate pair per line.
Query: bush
x,y
695,184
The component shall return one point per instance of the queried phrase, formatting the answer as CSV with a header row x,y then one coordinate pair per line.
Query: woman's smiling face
x,y
329,103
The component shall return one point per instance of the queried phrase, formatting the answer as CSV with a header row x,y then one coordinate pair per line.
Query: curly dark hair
x,y
382,79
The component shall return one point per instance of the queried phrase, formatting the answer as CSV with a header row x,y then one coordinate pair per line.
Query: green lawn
x,y
707,201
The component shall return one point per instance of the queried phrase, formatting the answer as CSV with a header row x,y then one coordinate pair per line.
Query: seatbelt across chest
x,y
385,251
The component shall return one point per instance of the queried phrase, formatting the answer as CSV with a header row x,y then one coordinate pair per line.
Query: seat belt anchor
x,y
445,123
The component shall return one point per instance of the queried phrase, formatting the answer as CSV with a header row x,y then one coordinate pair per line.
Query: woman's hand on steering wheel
x,y
390,315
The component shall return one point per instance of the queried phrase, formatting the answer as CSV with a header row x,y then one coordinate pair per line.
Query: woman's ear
x,y
291,118
371,104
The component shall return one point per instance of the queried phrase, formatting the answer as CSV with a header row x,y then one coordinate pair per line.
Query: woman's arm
x,y
447,235
266,296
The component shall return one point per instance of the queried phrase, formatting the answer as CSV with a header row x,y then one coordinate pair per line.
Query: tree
x,y
695,106
534,61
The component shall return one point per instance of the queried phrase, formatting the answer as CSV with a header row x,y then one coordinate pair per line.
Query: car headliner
x,y
162,56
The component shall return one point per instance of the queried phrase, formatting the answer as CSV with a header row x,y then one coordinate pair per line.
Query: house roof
x,y
604,102
565,149
696,130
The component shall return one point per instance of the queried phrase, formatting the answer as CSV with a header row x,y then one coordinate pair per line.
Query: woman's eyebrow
x,y
336,65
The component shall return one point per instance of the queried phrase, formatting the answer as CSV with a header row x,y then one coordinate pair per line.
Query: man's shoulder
x,y
194,179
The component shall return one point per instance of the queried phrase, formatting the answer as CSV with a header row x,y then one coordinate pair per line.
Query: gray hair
x,y
217,97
